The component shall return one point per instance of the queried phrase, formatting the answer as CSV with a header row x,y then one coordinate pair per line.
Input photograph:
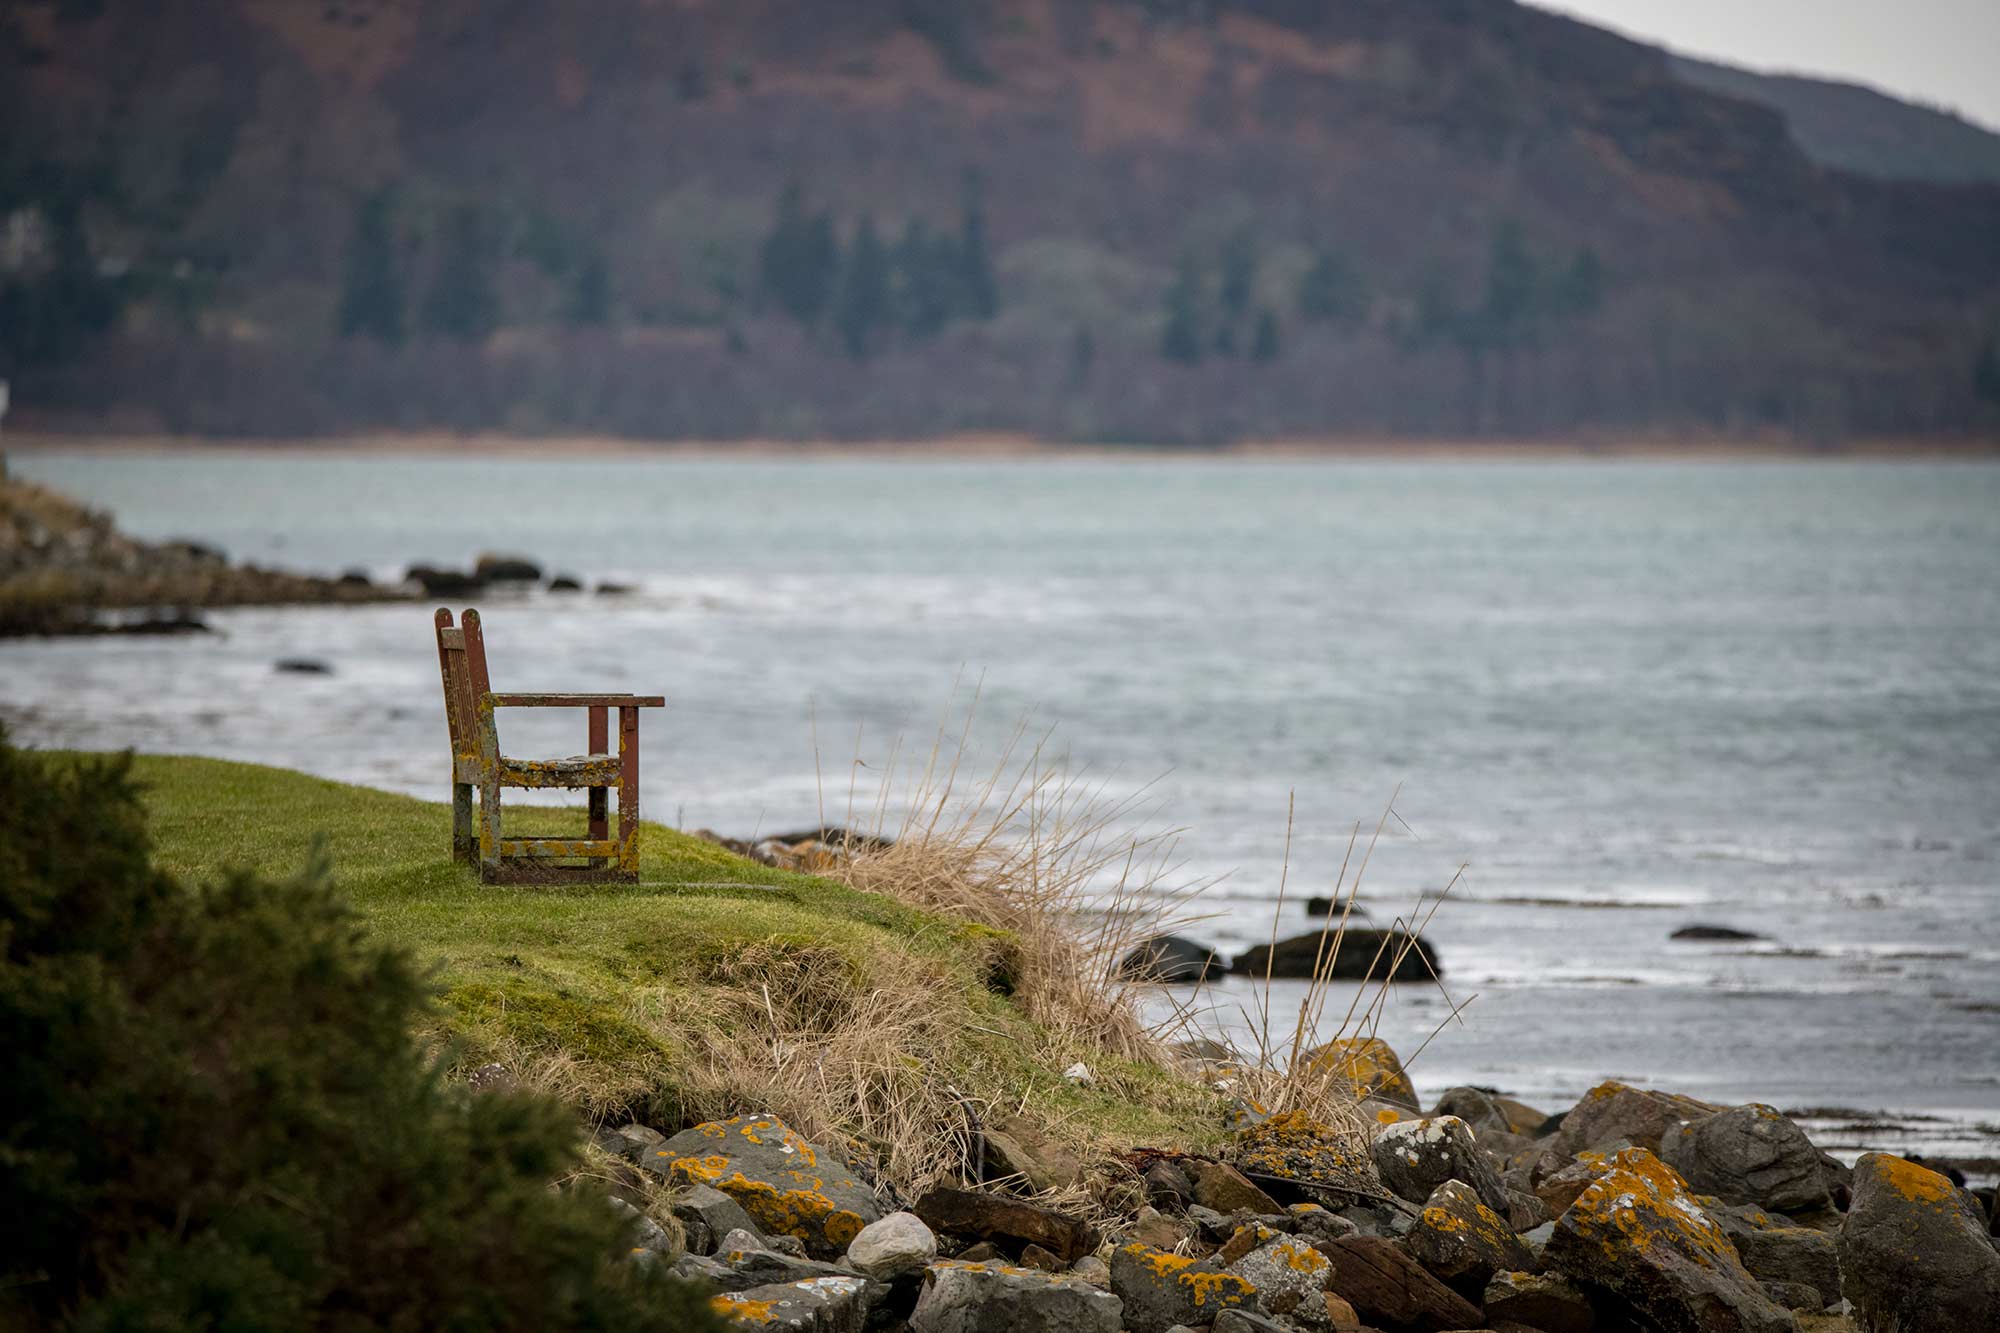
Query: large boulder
x,y
1290,1277
788,1186
1748,1154
1365,954
1414,1157
1776,1252
1392,1291
1613,1115
1638,1239
1222,1187
1172,959
997,1218
1542,1301
1367,1065
1463,1242
1293,1146
996,1298
1914,1255
1161,1289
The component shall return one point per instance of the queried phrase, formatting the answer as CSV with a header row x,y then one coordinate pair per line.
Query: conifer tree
x,y
1264,344
371,299
1239,273
1986,370
799,259
1329,292
590,294
1180,340
1512,287
863,305
980,294
1580,291
463,302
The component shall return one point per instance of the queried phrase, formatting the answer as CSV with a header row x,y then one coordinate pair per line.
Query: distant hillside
x,y
1142,220
1858,129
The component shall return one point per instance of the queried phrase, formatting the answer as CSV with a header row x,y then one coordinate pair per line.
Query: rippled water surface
x,y
1625,697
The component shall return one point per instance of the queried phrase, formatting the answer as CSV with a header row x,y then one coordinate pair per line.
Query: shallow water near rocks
x,y
1626,697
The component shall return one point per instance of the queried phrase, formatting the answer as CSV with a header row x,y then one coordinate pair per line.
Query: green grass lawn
x,y
629,992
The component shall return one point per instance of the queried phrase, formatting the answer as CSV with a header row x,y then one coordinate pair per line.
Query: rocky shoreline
x,y
1634,1209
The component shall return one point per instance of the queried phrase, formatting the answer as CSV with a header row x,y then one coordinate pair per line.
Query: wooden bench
x,y
476,761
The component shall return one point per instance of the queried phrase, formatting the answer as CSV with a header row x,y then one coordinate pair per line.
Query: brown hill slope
x,y
1157,220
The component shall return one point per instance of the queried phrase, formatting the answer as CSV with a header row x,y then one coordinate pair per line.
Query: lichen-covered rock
x,y
1317,1223
1369,1066
958,1297
1226,1190
749,1264
1637,1237
787,1185
1914,1256
648,1236
1244,1321
894,1245
1560,1189
1160,1289
1545,1301
1414,1157
1777,1252
1290,1278
1748,1154
1613,1114
1463,1242
707,1215
816,1305
1296,1147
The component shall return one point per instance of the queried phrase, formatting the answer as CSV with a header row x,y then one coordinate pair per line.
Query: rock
x,y
1479,1109
788,1186
1158,1230
1389,1289
1559,1191
1369,1065
302,666
1245,1321
1414,1157
1544,1301
1365,954
491,1078
1914,1255
607,588
1016,1148
1319,1224
1777,1252
1343,1316
985,1252
708,1274
1748,1154
1171,959
1793,1295
444,582
506,568
1243,1112
752,1264
821,1305
633,1142
355,578
959,1297
1290,1278
1211,1225
647,1235
1320,906
1160,1289
1463,1242
893,1245
1079,1074
994,1217
1241,1241
1638,1237
1699,931
1167,1186
1092,1270
707,1215
1612,1114
1034,1256
1227,1190
565,583
1297,1148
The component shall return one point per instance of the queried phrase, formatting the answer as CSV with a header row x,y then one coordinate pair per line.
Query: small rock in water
x,y
303,666
565,583
1170,959
506,568
1700,931
606,588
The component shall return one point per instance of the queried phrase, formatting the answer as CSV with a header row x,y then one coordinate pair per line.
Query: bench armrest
x,y
576,700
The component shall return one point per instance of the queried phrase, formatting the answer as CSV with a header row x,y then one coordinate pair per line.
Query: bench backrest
x,y
462,660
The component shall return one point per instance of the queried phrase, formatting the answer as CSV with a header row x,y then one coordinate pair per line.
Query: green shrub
x,y
213,1115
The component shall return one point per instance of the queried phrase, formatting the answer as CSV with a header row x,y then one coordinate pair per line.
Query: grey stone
x,y
1463,1242
1776,1252
752,1264
1414,1157
1210,1225
1544,1301
1320,1224
1914,1253
707,1215
1245,1321
647,1235
815,1305
1748,1154
1167,1186
1092,1270
632,1141
712,1274
1290,1278
1160,1289
959,1297
786,1183
890,1246
1227,1190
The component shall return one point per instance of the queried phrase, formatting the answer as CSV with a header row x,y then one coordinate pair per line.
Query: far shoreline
x,y
997,447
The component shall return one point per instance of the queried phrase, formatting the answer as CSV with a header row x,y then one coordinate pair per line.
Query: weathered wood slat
x,y
578,700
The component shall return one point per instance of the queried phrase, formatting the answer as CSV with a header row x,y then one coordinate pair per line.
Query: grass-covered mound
x,y
714,986
214,1113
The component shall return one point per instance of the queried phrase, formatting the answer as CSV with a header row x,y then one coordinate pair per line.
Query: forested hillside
x,y
1139,220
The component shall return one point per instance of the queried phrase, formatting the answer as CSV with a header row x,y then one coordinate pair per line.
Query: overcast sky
x,y
1943,52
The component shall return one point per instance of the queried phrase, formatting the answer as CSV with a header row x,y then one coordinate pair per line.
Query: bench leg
x,y
628,794
489,830
600,797
464,839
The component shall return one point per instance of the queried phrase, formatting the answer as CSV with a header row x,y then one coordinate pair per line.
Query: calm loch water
x,y
1624,696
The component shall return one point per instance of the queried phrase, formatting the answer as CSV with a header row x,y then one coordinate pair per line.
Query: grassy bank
x,y
715,986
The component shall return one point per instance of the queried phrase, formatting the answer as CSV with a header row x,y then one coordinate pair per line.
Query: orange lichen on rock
x,y
1916,1183
1640,1202
1369,1064
1295,1146
1202,1286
